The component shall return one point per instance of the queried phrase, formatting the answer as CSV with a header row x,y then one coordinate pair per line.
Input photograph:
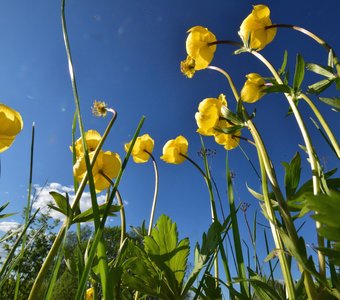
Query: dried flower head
x,y
188,67
99,108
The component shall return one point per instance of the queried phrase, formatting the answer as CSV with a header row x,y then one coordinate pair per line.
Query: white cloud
x,y
43,198
8,225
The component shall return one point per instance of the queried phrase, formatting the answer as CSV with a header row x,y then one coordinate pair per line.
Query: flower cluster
x,y
106,165
11,125
209,119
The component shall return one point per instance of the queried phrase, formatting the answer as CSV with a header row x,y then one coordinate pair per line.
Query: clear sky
x,y
127,53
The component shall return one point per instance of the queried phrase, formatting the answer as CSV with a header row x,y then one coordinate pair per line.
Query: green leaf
x,y
292,175
337,83
321,70
284,63
335,101
62,203
229,130
169,255
319,86
278,88
230,116
87,215
299,73
262,289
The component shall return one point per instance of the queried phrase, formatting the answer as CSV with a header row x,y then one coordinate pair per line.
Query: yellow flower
x,y
253,28
209,112
252,90
188,67
142,148
198,46
229,141
89,294
107,164
174,150
11,124
92,138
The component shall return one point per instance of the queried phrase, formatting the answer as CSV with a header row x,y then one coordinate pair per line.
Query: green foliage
x,y
292,175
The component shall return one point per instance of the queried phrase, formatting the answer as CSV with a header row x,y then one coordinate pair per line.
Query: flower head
x,y
229,141
188,67
209,112
198,46
252,90
11,124
92,138
89,294
174,150
99,109
253,28
142,148
107,165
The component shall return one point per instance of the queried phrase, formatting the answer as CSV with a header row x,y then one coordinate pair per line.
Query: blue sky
x,y
127,53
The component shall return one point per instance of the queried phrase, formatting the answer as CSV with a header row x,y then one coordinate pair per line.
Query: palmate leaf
x,y
169,255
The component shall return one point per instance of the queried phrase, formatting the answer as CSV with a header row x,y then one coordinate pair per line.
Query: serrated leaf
x,y
299,73
292,175
319,86
170,255
278,88
321,70
335,101
87,215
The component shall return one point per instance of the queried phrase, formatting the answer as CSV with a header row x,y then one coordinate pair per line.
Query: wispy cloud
x,y
5,226
43,198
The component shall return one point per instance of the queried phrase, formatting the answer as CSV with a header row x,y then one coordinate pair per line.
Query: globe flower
x,y
92,138
229,141
209,112
174,150
253,28
253,89
89,294
199,48
142,148
11,124
106,166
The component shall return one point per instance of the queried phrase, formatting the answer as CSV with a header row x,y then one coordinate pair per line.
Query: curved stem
x,y
122,210
323,123
230,80
154,201
226,42
310,150
267,164
314,37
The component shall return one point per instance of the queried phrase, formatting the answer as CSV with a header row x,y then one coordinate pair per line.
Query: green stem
x,y
314,37
323,123
154,201
310,150
122,210
98,233
28,212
